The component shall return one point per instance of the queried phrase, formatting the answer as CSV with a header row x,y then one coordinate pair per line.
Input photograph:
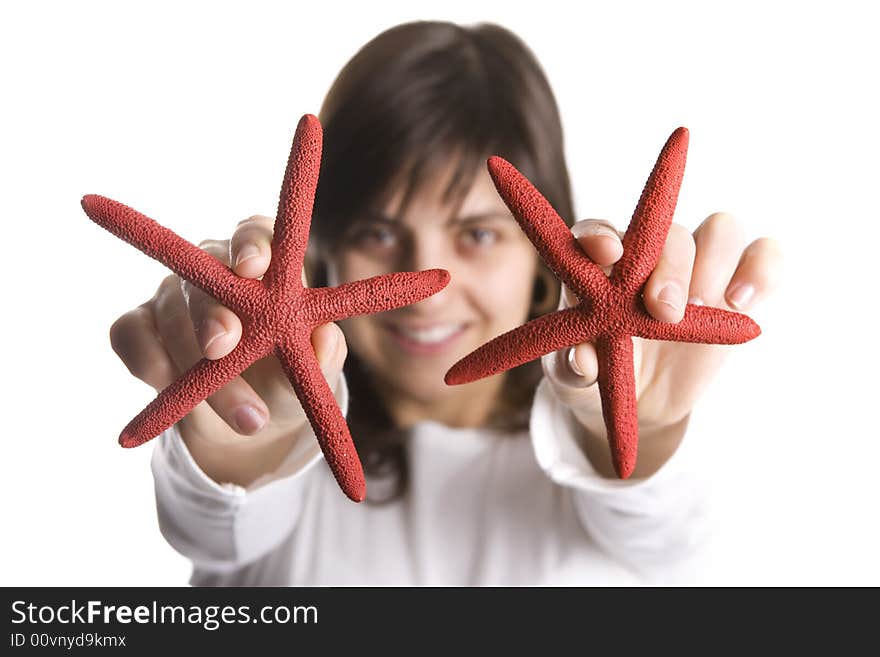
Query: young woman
x,y
506,480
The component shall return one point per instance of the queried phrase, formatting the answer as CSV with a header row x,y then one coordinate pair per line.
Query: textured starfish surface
x,y
277,312
611,310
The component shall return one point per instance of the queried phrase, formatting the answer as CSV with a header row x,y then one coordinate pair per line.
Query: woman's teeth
x,y
430,335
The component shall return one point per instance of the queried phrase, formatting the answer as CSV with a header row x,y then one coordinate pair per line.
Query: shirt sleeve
x,y
223,526
658,526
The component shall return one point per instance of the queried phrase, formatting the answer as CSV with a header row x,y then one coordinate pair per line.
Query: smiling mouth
x,y
425,339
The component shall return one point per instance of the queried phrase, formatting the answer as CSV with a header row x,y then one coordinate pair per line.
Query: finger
x,y
330,348
269,381
757,275
719,243
575,366
171,318
136,341
665,293
236,403
218,329
599,240
602,243
250,249
575,387
567,298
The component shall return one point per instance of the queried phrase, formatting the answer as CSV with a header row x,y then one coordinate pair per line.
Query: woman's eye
x,y
375,236
481,236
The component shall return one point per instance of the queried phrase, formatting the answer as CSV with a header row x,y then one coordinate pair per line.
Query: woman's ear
x,y
545,292
317,268
330,272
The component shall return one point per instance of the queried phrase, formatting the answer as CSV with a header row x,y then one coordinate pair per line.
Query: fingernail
x,y
246,252
248,419
741,295
328,350
696,301
213,328
593,227
614,244
671,296
572,362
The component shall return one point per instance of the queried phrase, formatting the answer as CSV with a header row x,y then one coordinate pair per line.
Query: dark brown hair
x,y
415,98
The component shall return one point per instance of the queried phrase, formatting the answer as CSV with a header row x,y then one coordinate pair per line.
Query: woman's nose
x,y
423,256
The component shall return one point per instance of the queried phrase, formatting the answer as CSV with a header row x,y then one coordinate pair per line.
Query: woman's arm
x,y
222,527
655,520
658,525
231,476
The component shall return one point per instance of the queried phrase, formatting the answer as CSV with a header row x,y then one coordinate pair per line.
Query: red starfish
x,y
611,310
278,314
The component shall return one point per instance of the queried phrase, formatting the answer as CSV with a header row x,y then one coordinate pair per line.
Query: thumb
x,y
331,350
572,374
576,366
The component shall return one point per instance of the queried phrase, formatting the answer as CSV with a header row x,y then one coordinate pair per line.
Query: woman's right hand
x,y
247,427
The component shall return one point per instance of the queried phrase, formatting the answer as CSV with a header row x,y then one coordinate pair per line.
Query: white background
x,y
186,113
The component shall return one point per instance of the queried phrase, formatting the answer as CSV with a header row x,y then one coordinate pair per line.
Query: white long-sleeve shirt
x,y
482,508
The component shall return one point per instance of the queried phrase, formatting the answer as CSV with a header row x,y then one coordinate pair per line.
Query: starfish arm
x,y
646,234
540,336
701,324
546,230
195,385
617,387
183,258
302,369
375,294
294,216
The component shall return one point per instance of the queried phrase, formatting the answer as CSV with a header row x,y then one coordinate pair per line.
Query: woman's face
x,y
492,266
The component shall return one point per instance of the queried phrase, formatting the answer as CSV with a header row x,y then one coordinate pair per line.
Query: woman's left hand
x,y
712,267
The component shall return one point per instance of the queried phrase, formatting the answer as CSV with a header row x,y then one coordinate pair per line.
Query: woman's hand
x,y
246,428
712,267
